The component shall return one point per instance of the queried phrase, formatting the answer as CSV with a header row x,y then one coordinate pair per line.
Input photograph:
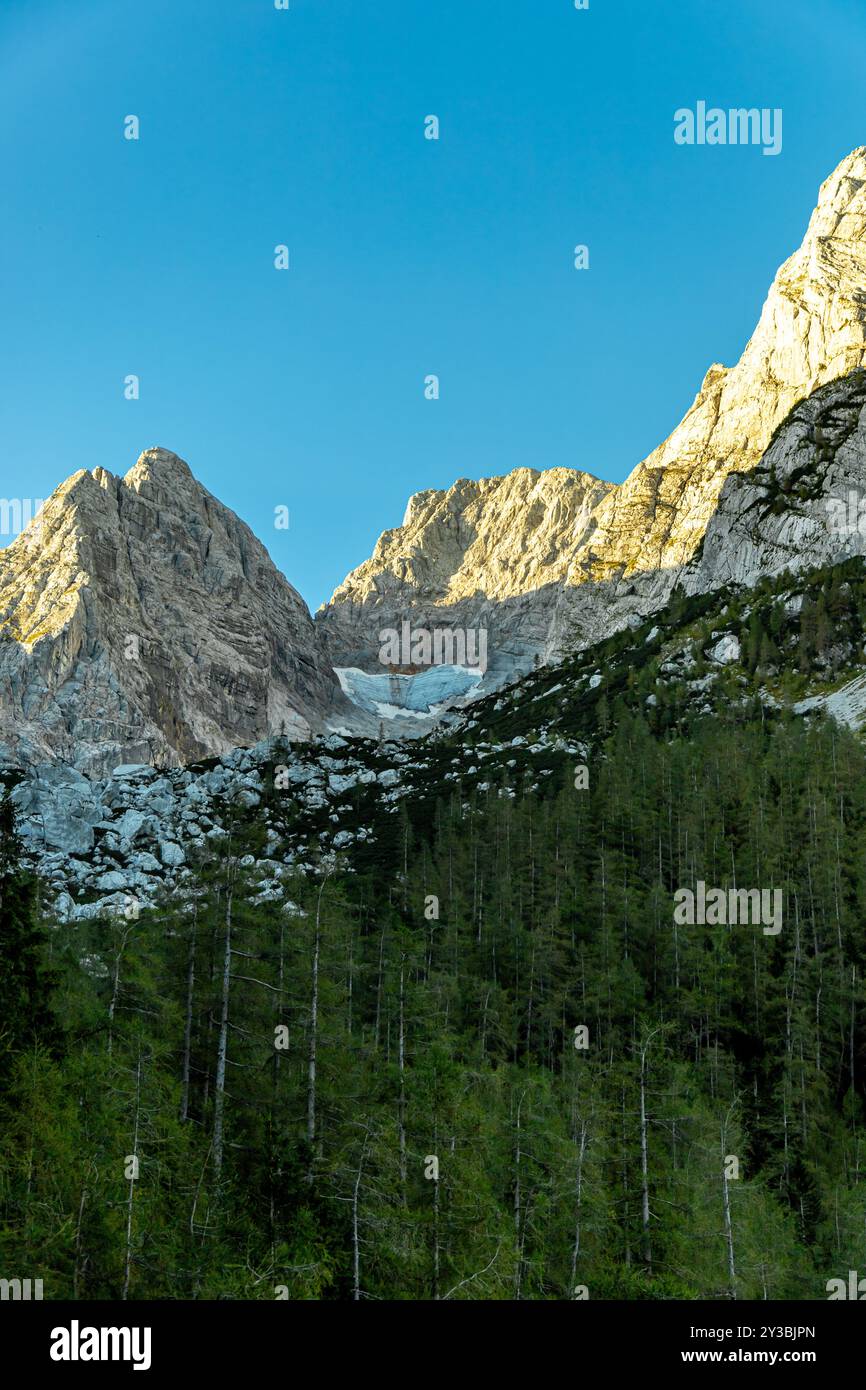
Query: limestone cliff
x,y
141,621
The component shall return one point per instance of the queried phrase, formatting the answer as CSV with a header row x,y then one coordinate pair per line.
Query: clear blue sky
x,y
408,257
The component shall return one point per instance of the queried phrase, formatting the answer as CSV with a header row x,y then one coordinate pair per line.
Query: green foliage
x,y
415,1033
25,978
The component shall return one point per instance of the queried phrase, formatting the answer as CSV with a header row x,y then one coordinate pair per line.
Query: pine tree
x,y
25,979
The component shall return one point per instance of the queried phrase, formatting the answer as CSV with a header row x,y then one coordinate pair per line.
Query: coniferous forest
x,y
479,1061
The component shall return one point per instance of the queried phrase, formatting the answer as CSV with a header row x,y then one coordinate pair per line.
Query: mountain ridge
x,y
643,532
142,621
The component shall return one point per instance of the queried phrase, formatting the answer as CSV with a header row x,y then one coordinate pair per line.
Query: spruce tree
x,y
25,981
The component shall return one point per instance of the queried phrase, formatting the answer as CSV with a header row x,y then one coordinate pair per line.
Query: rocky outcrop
x,y
490,555
546,559
804,506
141,621
112,845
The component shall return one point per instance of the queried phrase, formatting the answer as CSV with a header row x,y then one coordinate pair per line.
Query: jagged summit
x,y
141,620
841,188
161,466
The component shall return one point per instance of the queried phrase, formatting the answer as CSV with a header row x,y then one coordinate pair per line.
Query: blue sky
x,y
305,388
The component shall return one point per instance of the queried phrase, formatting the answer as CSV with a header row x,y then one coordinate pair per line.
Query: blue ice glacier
x,y
422,695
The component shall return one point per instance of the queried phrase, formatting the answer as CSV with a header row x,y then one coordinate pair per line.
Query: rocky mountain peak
x,y
142,621
840,194
160,467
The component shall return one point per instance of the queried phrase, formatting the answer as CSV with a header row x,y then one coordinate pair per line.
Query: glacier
x,y
389,696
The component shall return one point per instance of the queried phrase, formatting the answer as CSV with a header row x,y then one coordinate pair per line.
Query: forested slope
x,y
475,1057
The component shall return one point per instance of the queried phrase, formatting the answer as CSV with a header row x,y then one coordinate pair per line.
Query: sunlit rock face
x,y
141,621
547,559
491,557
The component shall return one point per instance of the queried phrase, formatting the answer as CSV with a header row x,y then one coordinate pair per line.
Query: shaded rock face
x,y
804,506
141,621
555,558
